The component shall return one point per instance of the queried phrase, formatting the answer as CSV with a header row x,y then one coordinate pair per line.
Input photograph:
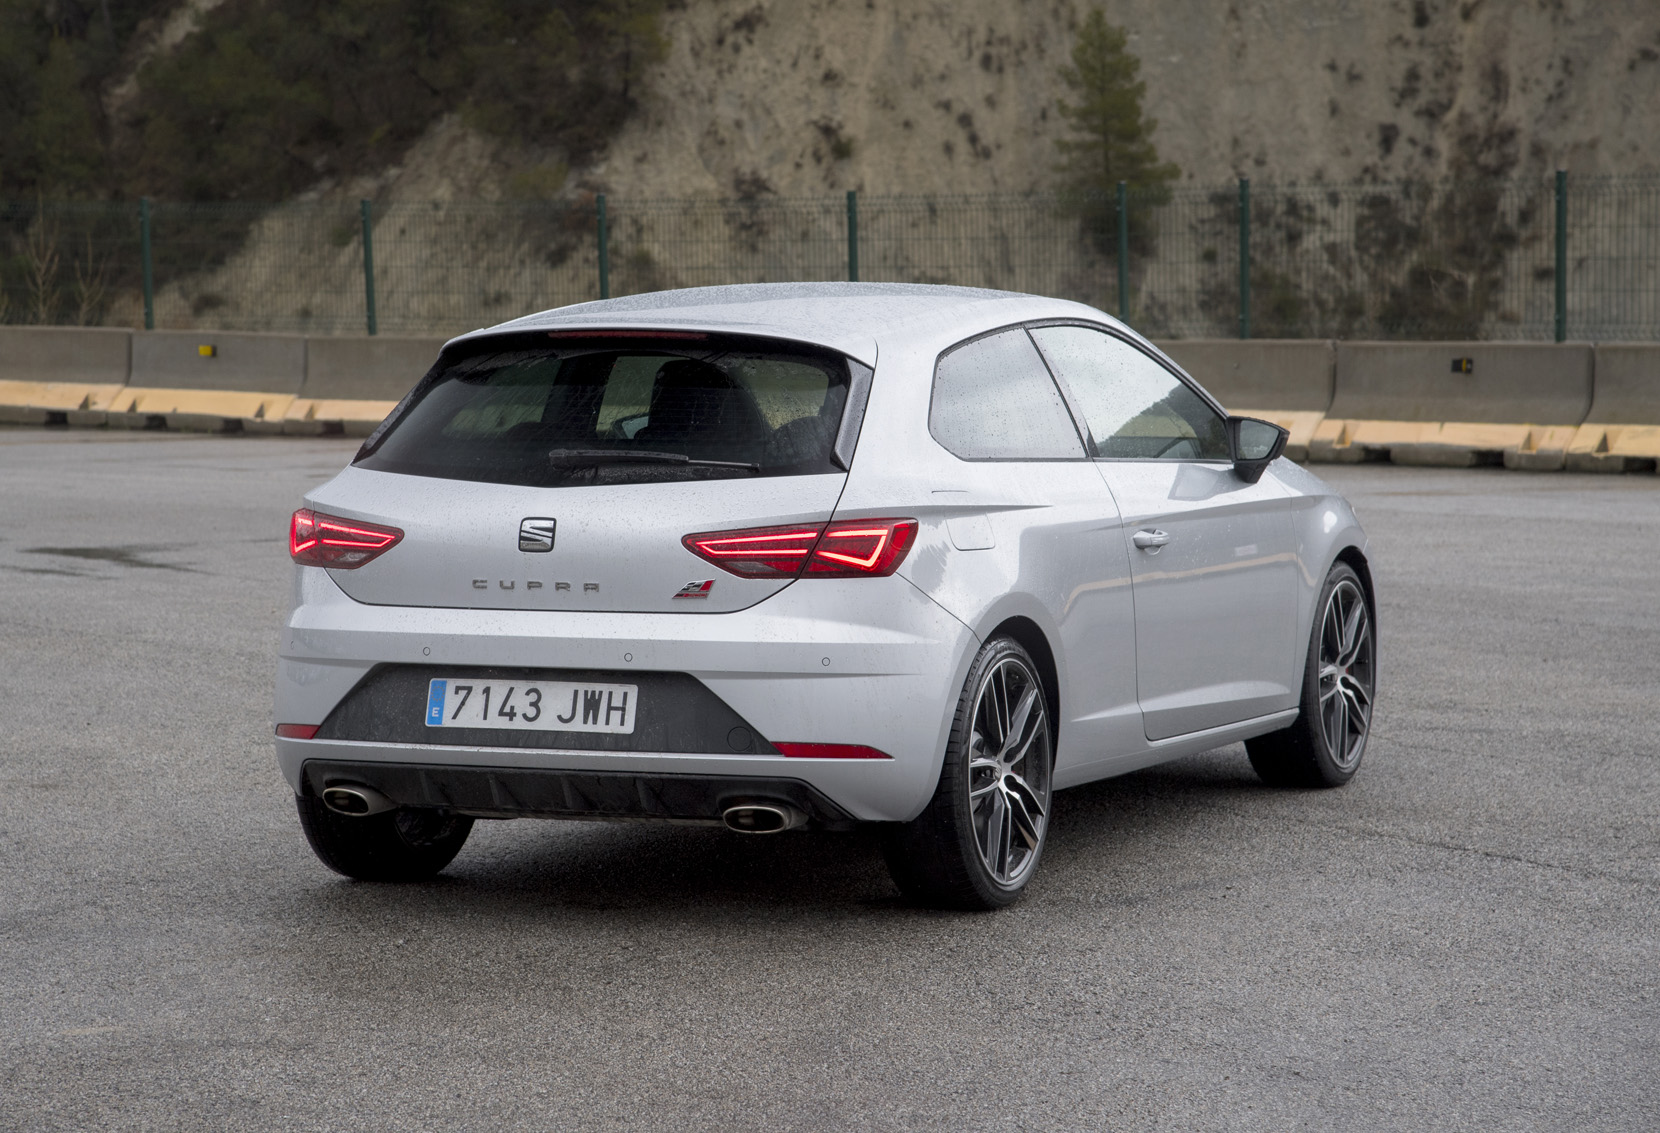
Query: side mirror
x,y
1255,445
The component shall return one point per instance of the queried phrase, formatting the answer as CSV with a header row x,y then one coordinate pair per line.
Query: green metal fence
x,y
1553,258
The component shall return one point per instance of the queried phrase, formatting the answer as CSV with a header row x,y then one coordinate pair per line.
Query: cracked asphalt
x,y
1463,938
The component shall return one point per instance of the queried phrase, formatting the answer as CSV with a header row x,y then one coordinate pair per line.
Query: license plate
x,y
556,706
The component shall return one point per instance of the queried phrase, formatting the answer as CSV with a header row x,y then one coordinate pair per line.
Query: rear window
x,y
607,410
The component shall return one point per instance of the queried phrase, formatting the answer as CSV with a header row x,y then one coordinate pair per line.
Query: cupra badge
x,y
536,534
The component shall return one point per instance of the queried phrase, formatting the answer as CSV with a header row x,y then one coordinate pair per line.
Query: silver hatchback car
x,y
809,555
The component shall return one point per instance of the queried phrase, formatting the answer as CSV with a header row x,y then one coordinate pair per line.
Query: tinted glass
x,y
1132,405
603,411
993,400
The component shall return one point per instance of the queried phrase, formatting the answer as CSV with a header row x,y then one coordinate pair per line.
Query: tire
x,y
979,840
409,844
1323,747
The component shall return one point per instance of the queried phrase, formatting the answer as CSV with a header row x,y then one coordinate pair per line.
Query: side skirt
x,y
1176,747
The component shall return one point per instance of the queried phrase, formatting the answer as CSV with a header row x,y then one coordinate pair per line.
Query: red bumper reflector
x,y
297,731
830,751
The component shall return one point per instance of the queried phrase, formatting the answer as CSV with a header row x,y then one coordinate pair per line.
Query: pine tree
x,y
1112,138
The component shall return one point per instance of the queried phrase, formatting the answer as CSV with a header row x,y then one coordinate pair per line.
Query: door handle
x,y
1150,540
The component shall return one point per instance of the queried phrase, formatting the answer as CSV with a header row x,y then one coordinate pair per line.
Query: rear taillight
x,y
315,539
862,546
847,548
758,552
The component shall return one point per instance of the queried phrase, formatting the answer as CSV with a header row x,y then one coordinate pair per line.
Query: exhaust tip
x,y
356,800
762,818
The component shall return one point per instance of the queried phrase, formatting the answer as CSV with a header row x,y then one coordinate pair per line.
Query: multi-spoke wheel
x,y
1323,747
1345,674
1008,770
980,838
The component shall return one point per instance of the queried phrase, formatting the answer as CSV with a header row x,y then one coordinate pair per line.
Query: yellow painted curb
x,y
1450,444
199,410
34,403
1543,449
312,416
1614,448
1351,442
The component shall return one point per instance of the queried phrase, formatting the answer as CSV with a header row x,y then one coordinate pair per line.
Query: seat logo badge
x,y
696,589
536,534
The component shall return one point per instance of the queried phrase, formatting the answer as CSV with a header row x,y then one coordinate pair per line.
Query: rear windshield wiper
x,y
587,457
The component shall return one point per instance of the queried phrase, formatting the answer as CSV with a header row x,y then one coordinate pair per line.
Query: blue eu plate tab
x,y
435,704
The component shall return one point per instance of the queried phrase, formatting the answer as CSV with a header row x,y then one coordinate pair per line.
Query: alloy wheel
x,y
1346,674
1009,770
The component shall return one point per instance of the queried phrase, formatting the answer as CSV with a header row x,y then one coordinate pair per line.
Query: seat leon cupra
x,y
809,555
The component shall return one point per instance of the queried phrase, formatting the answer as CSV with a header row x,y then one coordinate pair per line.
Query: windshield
x,y
607,410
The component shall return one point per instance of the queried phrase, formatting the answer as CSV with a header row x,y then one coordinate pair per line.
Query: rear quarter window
x,y
994,399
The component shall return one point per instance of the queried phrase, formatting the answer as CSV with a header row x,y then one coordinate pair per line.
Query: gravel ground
x,y
1463,938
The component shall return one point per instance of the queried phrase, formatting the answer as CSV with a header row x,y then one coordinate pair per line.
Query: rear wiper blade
x,y
587,457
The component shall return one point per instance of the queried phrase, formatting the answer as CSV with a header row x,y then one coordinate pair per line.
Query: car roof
x,y
851,318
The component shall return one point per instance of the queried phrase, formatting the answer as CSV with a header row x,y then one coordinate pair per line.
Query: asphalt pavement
x,y
1462,938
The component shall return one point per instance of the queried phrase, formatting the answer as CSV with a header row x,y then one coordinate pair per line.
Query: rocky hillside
x,y
797,97
800,97
773,99
895,96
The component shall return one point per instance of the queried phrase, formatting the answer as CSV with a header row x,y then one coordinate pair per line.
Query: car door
x,y
1030,528
1212,559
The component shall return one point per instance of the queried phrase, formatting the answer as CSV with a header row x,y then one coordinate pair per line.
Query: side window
x,y
994,400
1132,405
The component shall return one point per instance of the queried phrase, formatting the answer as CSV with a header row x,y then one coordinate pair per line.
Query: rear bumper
x,y
861,661
517,792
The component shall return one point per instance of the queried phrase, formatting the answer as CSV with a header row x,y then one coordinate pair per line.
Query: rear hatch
x,y
563,471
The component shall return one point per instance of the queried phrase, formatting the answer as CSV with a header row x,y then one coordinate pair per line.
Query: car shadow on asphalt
x,y
1098,828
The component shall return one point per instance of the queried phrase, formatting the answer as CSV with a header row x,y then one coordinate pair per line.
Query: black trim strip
x,y
519,792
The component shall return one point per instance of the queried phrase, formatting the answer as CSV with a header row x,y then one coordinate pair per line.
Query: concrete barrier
x,y
48,372
1621,432
1456,404
351,384
80,355
367,369
214,360
207,381
1537,406
1286,381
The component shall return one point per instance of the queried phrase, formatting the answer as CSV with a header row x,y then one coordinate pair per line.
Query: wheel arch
x,y
1350,554
1030,636
1356,558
